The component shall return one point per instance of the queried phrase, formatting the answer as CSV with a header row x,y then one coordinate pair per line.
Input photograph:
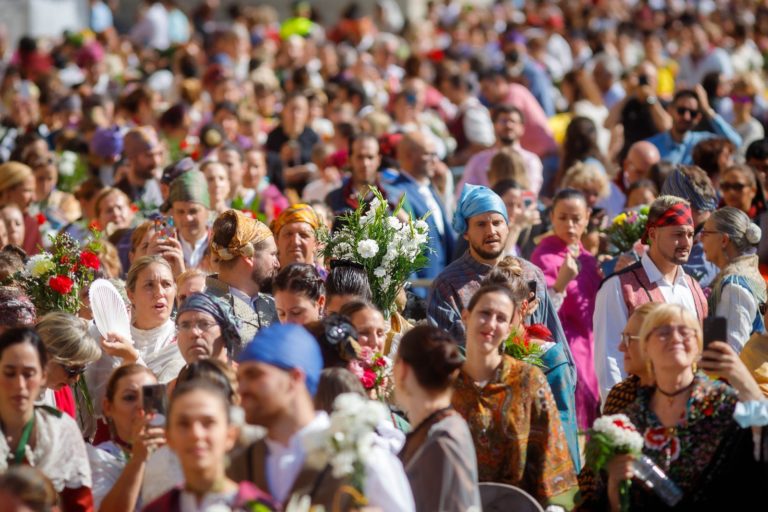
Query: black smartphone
x,y
532,284
154,401
715,329
642,80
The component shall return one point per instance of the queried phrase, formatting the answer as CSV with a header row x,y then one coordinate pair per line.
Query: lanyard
x,y
21,448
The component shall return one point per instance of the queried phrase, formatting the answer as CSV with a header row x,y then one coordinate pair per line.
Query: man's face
x,y
296,243
191,219
295,115
265,262
264,391
487,235
365,161
509,128
672,243
147,164
685,114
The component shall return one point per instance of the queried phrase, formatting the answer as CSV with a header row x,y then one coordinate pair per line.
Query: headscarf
x,y
679,184
287,346
676,215
189,186
13,173
299,212
475,200
248,232
221,311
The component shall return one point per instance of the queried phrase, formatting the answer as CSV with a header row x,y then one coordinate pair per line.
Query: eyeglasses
x,y
736,187
666,332
201,325
683,110
73,371
736,98
626,338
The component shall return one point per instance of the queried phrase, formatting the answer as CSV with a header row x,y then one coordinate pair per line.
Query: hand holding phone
x,y
715,329
154,400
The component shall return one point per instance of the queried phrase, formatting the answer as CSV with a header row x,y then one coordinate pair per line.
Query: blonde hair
x,y
665,314
507,164
13,173
139,265
581,176
110,259
66,339
189,274
103,194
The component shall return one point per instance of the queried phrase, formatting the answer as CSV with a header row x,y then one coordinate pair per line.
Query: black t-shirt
x,y
275,141
638,123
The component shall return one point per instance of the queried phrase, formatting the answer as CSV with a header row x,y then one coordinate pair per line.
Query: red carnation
x,y
89,260
94,225
40,219
134,208
381,362
368,379
64,259
61,284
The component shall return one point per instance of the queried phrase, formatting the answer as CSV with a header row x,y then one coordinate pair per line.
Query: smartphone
x,y
164,226
529,198
715,329
532,285
642,80
154,401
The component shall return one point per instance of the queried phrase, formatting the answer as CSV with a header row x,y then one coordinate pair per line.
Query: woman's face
x,y
14,225
371,329
199,433
46,176
297,308
569,220
218,183
199,336
21,380
489,323
60,375
712,242
153,296
22,194
255,169
634,361
672,346
125,407
737,190
114,208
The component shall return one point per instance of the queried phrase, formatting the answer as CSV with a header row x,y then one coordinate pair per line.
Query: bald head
x,y
641,157
416,154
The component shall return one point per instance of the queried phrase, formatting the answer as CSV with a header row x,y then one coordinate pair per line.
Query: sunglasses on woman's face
x,y
737,98
73,371
736,187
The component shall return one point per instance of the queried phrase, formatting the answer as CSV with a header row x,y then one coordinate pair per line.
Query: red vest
x,y
637,289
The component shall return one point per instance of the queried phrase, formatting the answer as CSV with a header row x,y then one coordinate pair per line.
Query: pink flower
x,y
366,355
356,368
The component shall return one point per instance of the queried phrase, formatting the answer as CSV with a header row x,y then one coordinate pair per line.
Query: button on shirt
x,y
611,316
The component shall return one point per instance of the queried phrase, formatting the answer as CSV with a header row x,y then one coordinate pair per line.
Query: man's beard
x,y
144,173
507,141
487,255
263,279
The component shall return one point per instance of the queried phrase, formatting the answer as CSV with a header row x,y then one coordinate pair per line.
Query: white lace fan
x,y
109,311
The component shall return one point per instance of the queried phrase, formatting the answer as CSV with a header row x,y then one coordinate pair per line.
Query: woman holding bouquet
x,y
508,404
687,420
572,283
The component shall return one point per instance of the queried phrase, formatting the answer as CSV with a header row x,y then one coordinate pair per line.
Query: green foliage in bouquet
x,y
73,170
626,229
521,347
388,249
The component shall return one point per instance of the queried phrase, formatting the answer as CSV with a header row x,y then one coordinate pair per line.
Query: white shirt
x,y
739,306
611,316
477,124
426,193
193,254
386,485
242,295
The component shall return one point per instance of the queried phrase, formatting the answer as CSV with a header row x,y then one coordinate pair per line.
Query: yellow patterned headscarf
x,y
248,233
299,212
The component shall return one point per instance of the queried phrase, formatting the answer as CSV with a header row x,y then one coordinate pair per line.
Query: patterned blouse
x,y
516,429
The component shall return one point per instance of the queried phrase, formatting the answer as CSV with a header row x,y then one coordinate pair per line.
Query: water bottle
x,y
656,480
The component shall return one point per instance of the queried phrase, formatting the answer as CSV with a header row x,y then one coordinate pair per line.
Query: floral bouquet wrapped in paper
x,y
609,436
626,229
346,444
53,280
521,345
375,238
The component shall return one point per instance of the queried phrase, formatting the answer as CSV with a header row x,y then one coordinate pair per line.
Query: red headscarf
x,y
676,215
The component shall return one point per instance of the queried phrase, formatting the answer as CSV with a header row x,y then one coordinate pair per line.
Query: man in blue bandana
x,y
481,217
278,376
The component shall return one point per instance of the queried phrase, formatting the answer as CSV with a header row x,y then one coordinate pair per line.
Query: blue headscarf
x,y
476,199
222,312
287,346
679,184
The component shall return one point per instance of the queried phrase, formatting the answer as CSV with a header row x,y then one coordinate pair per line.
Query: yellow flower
x,y
620,219
40,265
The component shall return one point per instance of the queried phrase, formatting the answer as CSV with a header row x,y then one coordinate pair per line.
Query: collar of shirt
x,y
284,462
655,275
240,294
193,253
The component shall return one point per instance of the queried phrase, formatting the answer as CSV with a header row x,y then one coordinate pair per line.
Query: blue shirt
x,y
682,152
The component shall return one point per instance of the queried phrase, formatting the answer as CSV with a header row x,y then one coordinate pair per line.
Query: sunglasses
x,y
741,99
73,371
736,187
682,111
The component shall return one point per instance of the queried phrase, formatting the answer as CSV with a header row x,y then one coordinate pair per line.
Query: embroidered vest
x,y
314,479
637,290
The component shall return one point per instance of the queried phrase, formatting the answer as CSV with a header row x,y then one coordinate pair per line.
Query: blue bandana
x,y
476,199
221,311
287,346
679,184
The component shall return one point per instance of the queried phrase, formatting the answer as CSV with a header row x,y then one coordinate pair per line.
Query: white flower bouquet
x,y
609,436
389,249
346,444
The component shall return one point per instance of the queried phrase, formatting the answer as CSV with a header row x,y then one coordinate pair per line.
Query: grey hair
x,y
742,232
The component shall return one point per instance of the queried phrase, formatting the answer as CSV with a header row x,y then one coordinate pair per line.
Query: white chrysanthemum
x,y
421,225
367,248
380,272
394,223
68,163
39,265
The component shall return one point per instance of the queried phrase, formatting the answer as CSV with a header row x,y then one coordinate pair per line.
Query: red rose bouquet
x,y
53,280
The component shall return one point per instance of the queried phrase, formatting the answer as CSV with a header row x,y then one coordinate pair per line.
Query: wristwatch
x,y
651,100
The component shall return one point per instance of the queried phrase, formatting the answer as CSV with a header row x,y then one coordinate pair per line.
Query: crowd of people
x,y
211,148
